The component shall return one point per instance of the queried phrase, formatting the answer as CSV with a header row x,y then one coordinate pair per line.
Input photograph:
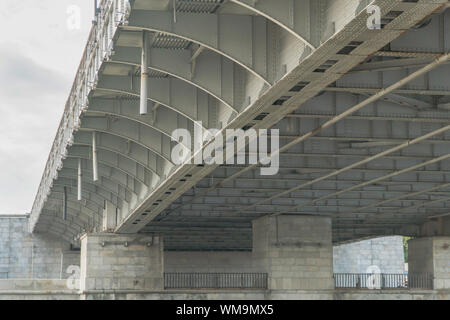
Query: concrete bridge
x,y
363,112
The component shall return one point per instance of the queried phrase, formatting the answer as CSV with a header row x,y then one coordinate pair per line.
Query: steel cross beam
x,y
343,115
404,196
360,116
393,174
126,225
398,91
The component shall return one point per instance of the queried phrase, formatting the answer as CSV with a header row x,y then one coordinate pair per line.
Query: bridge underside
x,y
297,66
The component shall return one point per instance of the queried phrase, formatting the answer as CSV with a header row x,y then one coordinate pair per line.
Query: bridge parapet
x,y
99,48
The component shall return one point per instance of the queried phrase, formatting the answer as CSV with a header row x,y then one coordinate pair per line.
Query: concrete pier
x,y
295,251
121,262
431,255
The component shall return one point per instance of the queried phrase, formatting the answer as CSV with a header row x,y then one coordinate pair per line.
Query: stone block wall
x,y
296,251
121,262
441,250
431,255
420,257
356,257
32,256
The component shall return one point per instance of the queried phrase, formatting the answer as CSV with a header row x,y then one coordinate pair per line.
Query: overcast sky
x,y
40,49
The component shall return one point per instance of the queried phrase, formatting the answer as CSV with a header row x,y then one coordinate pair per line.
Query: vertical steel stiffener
x,y
94,157
79,180
144,74
65,203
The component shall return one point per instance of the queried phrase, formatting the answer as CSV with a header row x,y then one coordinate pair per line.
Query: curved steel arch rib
x,y
94,200
116,148
75,205
162,167
174,94
123,168
76,213
210,72
73,211
120,177
113,174
90,191
168,120
57,226
285,14
103,184
142,135
136,194
214,32
90,211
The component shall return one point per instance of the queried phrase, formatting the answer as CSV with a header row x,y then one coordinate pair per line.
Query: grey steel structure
x,y
364,118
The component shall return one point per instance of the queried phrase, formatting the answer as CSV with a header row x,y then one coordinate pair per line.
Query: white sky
x,y
39,56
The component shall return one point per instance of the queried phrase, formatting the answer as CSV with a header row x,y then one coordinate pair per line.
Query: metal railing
x,y
215,280
111,14
383,281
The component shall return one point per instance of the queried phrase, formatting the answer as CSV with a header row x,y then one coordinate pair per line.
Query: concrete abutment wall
x,y
386,253
32,256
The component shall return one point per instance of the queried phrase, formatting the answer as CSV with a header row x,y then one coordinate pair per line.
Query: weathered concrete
x,y
16,261
27,256
19,289
295,251
391,295
120,262
54,290
386,253
277,295
431,255
33,285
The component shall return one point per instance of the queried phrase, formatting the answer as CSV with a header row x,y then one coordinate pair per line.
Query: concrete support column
x,y
121,262
431,255
295,251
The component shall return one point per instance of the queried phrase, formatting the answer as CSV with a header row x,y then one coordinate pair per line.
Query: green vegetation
x,y
405,247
